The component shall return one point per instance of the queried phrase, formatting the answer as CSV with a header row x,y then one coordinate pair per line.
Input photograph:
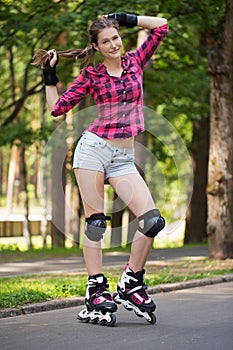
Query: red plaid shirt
x,y
119,100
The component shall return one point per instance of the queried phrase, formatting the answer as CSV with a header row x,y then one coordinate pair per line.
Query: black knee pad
x,y
96,226
153,223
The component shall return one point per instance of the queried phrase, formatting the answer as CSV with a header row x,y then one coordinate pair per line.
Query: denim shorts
x,y
94,153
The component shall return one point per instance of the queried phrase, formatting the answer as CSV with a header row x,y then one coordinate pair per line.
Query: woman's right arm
x,y
51,90
51,96
58,105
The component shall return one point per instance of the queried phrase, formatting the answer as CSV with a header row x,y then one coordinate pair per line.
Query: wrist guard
x,y
49,73
124,19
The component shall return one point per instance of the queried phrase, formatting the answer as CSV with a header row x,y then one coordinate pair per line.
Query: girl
x,y
106,152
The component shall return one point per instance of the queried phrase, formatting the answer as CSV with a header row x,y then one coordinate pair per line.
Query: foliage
x,y
12,251
23,134
176,84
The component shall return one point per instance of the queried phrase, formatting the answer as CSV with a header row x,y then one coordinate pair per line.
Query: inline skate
x,y
100,305
131,292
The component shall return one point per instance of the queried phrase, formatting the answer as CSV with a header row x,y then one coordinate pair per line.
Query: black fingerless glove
x,y
124,19
49,73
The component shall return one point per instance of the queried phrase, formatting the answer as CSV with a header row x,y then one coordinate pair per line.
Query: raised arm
x,y
131,20
149,22
51,80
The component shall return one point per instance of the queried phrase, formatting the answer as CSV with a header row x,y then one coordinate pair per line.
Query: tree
x,y
25,27
180,73
220,180
196,217
176,85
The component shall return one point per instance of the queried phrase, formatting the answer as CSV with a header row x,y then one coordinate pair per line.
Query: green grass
x,y
13,253
8,253
18,291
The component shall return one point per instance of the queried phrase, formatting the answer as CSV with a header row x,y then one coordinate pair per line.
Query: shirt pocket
x,y
101,83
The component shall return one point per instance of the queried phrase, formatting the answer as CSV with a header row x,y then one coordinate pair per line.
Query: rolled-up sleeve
x,y
77,92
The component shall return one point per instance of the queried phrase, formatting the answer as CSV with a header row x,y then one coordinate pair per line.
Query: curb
x,y
72,302
41,307
171,287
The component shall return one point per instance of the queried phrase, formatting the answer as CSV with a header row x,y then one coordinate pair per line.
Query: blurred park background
x,y
189,82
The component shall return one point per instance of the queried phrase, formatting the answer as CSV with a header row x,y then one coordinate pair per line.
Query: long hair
x,y
41,56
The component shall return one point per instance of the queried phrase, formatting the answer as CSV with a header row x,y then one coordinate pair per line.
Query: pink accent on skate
x,y
99,300
137,299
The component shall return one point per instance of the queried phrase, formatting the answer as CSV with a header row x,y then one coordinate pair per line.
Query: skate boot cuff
x,y
97,279
139,275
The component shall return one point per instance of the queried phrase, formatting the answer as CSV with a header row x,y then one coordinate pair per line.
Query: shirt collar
x,y
101,69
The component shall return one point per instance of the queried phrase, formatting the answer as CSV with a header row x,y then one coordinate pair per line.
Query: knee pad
x,y
153,223
96,226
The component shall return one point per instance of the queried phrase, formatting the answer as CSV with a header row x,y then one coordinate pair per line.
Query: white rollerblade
x,y
131,293
100,305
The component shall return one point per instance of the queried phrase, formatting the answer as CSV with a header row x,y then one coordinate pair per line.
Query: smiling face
x,y
109,43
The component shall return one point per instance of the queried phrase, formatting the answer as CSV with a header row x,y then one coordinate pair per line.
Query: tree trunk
x,y
140,162
58,181
26,224
196,217
1,175
220,180
75,225
42,182
13,170
58,199
116,222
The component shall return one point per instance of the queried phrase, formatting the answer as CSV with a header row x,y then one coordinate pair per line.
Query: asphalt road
x,y
191,319
14,268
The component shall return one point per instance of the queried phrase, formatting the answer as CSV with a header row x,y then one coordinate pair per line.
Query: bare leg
x,y
133,190
91,186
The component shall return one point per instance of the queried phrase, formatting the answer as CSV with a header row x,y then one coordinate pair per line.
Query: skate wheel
x,y
112,322
153,318
139,315
115,298
128,308
83,319
83,316
94,320
109,323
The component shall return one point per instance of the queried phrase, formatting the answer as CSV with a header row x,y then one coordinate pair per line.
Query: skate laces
x,y
99,289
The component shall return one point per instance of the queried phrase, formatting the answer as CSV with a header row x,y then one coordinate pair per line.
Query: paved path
x,y
192,319
110,259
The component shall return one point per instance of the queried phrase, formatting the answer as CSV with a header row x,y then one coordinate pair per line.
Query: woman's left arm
x,y
149,22
131,20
